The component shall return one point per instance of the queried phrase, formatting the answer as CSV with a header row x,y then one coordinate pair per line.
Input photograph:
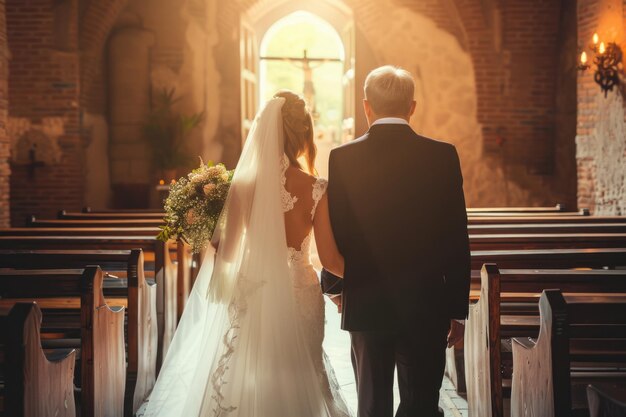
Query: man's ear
x,y
413,106
366,106
368,111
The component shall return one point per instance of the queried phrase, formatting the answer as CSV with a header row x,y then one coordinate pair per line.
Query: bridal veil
x,y
238,350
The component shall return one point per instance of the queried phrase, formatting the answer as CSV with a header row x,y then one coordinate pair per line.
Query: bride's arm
x,y
327,249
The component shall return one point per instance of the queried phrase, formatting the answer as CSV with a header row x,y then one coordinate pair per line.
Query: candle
x,y
583,58
595,38
602,48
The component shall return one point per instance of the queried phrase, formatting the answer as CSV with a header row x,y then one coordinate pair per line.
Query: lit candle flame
x,y
596,39
602,48
583,57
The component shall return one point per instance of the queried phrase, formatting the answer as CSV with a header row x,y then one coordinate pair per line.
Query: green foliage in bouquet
x,y
168,130
194,204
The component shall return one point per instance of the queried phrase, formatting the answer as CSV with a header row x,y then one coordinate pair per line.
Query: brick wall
x,y
601,134
44,106
521,51
4,139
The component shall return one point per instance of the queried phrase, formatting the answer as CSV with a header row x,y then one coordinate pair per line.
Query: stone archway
x,y
444,71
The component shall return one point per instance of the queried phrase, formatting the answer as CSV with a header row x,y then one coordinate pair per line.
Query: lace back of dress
x,y
300,256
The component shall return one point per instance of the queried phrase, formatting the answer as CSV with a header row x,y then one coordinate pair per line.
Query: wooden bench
x,y
547,240
98,327
529,214
113,215
34,222
558,208
36,383
540,228
157,258
88,209
506,307
551,258
131,289
507,219
582,340
187,263
606,399
118,228
538,258
80,231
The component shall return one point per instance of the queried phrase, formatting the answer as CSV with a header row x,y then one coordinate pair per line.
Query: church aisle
x,y
337,347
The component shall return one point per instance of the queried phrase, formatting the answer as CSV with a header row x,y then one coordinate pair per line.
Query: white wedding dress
x,y
249,343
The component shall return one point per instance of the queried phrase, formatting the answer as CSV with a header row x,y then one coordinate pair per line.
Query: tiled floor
x,y
337,347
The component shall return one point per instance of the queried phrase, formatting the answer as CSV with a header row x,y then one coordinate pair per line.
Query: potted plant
x,y
167,131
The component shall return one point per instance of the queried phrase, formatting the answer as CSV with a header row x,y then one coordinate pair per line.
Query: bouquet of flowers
x,y
194,204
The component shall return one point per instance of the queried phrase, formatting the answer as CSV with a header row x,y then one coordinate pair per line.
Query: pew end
x,y
482,348
582,340
36,383
533,381
100,326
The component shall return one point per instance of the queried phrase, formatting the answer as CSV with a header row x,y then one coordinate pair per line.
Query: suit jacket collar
x,y
389,129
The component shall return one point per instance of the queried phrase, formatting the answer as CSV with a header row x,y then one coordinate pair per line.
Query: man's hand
x,y
337,300
457,330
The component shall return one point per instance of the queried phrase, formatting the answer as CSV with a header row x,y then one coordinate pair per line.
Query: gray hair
x,y
389,90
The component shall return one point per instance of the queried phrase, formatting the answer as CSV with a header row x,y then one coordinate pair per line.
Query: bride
x,y
249,343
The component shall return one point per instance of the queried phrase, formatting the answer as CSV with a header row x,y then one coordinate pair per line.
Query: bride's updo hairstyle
x,y
298,130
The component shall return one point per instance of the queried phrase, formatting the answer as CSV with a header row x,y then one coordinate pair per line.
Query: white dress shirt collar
x,y
390,121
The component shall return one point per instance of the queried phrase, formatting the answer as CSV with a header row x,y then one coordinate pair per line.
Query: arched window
x,y
304,53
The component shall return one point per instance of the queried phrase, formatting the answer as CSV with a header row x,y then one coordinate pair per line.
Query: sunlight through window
x,y
304,53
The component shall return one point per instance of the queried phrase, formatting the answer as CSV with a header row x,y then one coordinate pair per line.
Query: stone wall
x,y
601,136
5,147
44,117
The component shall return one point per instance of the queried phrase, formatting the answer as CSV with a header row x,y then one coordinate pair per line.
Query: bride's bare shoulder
x,y
299,180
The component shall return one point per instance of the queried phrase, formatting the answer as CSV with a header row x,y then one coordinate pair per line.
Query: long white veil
x,y
238,350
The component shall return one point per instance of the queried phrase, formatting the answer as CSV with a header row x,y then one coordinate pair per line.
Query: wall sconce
x,y
607,60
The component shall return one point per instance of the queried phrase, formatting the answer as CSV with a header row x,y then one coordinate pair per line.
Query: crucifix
x,y
304,63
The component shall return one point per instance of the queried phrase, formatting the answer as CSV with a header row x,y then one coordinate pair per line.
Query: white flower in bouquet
x,y
194,204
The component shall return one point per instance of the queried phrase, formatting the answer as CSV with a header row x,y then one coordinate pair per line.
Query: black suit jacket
x,y
398,215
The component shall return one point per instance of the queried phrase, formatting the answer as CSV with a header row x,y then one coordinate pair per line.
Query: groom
x,y
398,215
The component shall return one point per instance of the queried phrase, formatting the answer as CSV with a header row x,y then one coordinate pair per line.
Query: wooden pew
x,y
495,219
581,340
79,231
155,252
558,208
606,399
508,307
88,209
135,291
113,215
513,210
529,214
36,383
540,228
187,263
551,258
99,327
547,240
538,258
34,222
190,260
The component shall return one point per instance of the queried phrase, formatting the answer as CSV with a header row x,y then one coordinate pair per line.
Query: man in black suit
x,y
398,215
